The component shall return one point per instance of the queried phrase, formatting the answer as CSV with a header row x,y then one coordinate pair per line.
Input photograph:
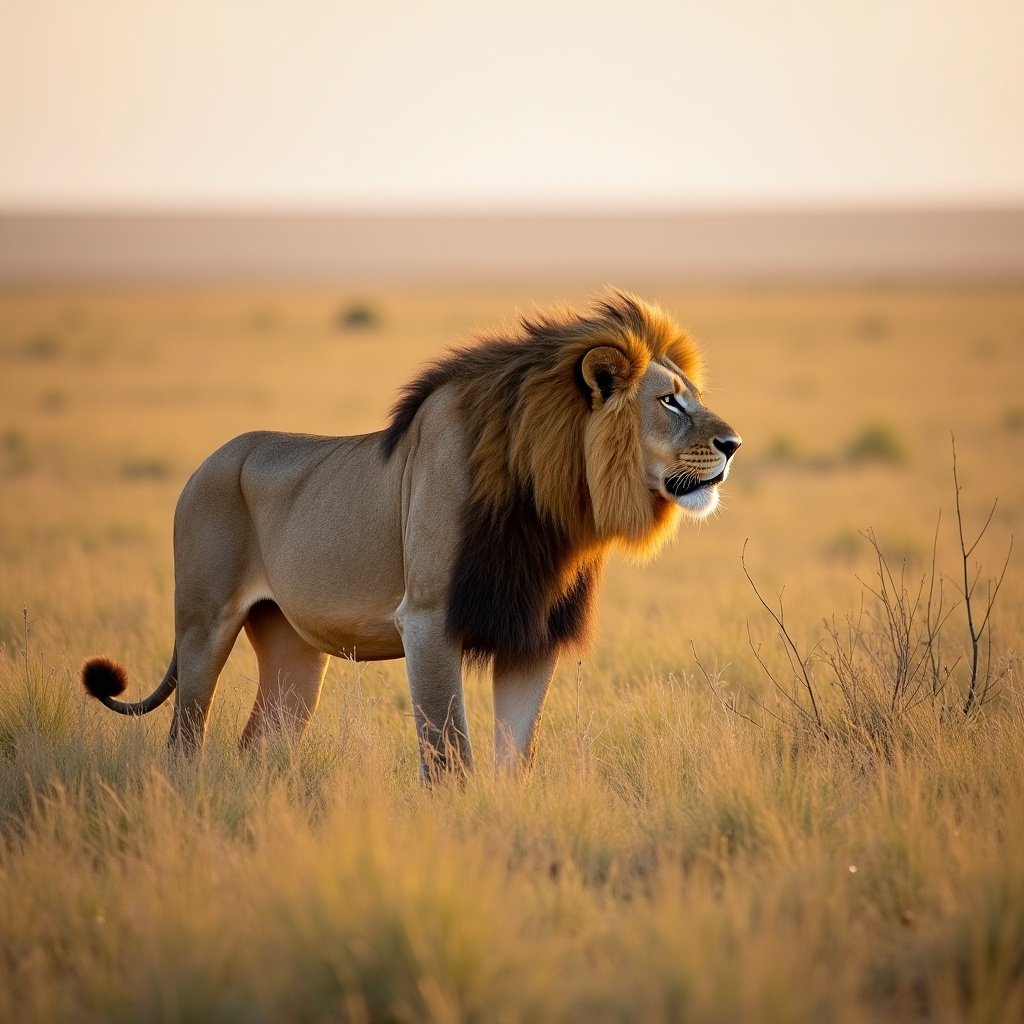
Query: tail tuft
x,y
104,678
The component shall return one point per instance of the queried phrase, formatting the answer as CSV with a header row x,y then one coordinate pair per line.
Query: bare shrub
x,y
893,655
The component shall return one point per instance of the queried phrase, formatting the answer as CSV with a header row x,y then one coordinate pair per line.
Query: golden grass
x,y
668,860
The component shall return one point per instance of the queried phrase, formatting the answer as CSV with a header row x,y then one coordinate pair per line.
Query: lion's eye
x,y
669,401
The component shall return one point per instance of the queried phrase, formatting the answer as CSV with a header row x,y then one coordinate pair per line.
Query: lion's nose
x,y
727,445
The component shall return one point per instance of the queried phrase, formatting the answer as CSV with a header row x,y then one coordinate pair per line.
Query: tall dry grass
x,y
671,863
669,859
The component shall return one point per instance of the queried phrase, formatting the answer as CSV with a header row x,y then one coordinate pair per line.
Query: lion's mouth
x,y
681,484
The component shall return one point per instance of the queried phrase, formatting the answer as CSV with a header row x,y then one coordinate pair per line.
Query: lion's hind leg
x,y
291,674
202,652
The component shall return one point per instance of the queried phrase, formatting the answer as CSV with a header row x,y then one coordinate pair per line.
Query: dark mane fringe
x,y
413,394
531,552
490,354
518,591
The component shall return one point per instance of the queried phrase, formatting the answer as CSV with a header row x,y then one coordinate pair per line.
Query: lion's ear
x,y
605,370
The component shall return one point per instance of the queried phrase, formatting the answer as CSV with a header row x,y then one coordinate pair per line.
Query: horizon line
x,y
702,245
546,208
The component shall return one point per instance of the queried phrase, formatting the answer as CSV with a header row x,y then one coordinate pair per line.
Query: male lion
x,y
474,527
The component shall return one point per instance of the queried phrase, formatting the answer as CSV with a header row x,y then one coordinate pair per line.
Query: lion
x,y
472,529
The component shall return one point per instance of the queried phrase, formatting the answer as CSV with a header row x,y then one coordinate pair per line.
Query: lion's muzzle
x,y
682,484
694,483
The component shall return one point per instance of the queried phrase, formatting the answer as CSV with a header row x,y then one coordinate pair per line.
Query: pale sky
x,y
395,103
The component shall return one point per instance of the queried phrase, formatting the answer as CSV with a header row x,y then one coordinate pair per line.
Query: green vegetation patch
x,y
44,346
145,469
1013,420
357,316
876,442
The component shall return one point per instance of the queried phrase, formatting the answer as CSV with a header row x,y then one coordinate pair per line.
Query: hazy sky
x,y
305,103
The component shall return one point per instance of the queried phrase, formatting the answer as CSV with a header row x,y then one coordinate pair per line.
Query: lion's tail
x,y
105,679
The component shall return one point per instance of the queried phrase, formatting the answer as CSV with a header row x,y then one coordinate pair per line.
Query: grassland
x,y
669,859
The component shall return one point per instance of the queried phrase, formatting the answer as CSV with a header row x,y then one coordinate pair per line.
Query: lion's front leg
x,y
434,667
519,693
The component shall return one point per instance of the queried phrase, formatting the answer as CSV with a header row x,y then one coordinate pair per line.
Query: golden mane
x,y
553,483
527,409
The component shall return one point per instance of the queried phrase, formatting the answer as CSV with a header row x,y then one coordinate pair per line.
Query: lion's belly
x,y
361,638
336,598
344,621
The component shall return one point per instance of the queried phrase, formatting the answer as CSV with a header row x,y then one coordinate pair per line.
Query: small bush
x,y
17,458
1013,420
872,327
53,401
43,346
893,655
877,442
845,546
145,469
357,316
783,448
264,320
13,442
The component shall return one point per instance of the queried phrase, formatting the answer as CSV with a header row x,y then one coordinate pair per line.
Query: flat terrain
x,y
913,244
684,851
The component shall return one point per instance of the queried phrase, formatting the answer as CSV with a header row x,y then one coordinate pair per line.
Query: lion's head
x,y
585,431
650,443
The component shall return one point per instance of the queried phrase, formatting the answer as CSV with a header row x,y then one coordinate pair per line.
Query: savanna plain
x,y
729,820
